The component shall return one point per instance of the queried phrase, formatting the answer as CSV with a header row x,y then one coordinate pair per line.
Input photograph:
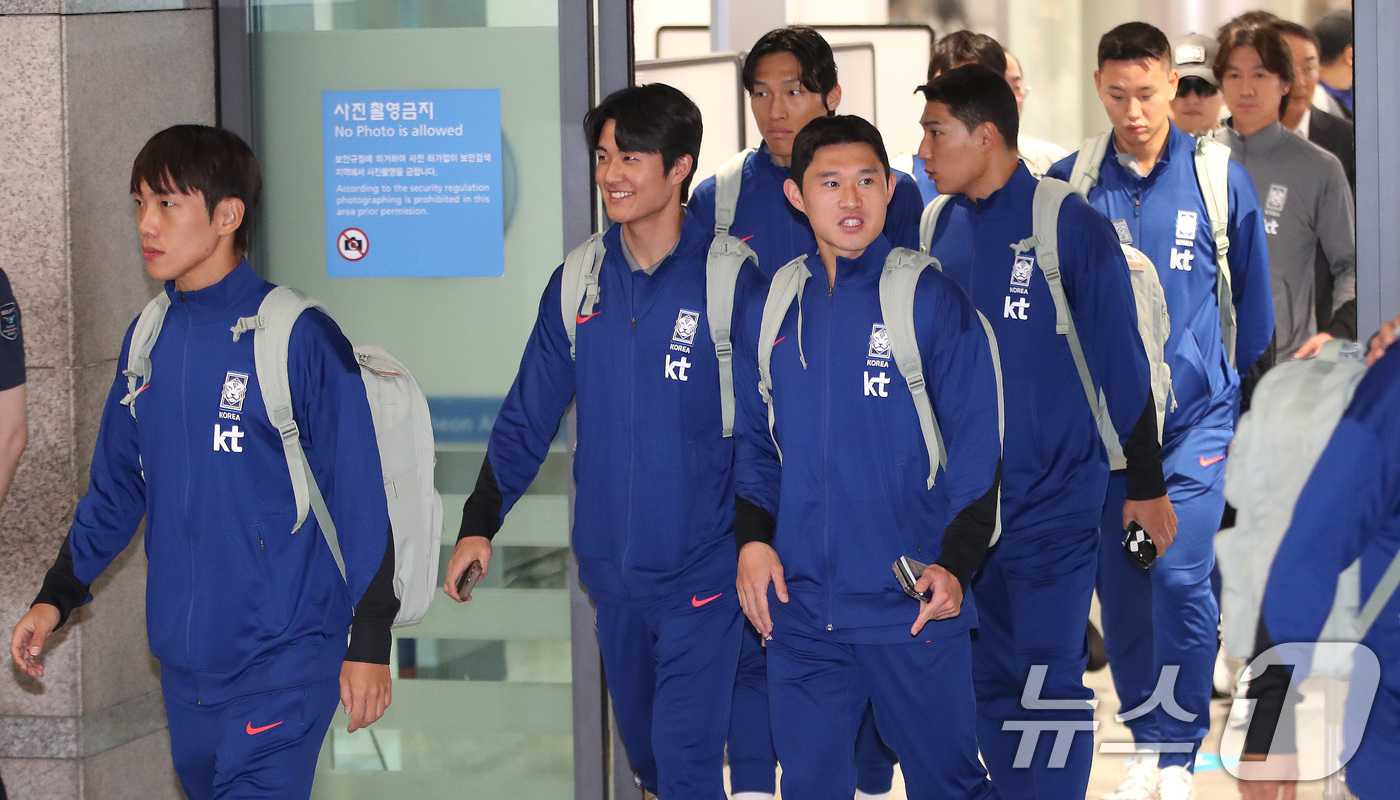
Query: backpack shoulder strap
x,y
726,258
272,327
1085,175
929,221
787,285
1385,589
1050,196
138,355
897,284
727,183
578,290
1213,174
1001,410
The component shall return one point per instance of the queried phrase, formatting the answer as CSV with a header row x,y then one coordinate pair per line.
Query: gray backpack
x,y
1153,324
1296,407
897,284
578,294
402,428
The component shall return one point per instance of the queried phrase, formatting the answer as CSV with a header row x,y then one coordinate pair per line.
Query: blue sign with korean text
x,y
413,183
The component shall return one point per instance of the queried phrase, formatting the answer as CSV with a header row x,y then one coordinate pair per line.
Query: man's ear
x,y
833,98
1098,82
1173,82
890,186
794,194
681,169
228,215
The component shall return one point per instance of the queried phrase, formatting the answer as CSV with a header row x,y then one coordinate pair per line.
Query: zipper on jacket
x,y
826,457
631,428
189,470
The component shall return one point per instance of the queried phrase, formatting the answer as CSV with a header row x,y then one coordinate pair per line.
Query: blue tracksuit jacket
x,y
1349,509
236,604
1153,210
1055,467
776,231
849,495
655,508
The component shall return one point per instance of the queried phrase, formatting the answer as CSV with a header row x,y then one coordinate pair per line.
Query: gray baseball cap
x,y
1194,55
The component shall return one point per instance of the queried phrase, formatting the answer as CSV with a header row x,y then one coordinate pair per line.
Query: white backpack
x,y
1296,407
898,281
1153,323
579,290
402,428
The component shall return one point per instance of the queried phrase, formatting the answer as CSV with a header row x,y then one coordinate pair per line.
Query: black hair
x,y
184,159
1272,49
966,47
827,131
811,50
1291,28
1334,35
1248,19
1194,84
975,94
1134,41
654,118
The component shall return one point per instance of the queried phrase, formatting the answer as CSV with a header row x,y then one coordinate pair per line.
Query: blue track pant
x,y
1164,619
922,695
752,761
670,666
257,746
1033,598
874,759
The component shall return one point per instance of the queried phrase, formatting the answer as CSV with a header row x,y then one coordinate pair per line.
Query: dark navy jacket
x,y
655,508
1153,210
850,494
776,231
1055,469
236,603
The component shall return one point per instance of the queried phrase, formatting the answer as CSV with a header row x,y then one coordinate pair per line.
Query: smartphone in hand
x,y
908,571
467,582
1138,545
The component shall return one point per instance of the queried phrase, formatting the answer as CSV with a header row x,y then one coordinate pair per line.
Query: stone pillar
x,y
83,84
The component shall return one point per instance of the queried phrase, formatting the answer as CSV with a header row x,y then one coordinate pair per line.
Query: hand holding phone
x,y
467,582
1138,545
908,571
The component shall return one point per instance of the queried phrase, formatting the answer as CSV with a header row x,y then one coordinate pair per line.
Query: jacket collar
x,y
232,294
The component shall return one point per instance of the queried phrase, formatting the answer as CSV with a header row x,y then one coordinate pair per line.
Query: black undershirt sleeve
x,y
752,523
1143,452
481,514
1343,324
1273,723
61,588
967,537
370,637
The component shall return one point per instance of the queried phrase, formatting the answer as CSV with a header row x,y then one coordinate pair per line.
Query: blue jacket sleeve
x,y
1249,271
1352,495
902,215
757,469
1100,294
328,396
529,419
702,204
111,509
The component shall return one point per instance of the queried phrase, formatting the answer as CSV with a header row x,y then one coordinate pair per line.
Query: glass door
x,y
484,698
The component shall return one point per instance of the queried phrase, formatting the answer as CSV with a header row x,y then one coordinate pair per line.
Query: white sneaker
x,y
1175,784
1141,781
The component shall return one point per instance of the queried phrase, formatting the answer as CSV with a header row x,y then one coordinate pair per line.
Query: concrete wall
x,y
80,92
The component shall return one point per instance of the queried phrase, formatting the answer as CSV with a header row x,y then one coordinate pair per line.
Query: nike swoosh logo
x,y
780,338
582,319
697,602
746,238
255,731
1206,462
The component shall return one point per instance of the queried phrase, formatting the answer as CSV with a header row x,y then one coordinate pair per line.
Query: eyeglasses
x,y
1021,89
